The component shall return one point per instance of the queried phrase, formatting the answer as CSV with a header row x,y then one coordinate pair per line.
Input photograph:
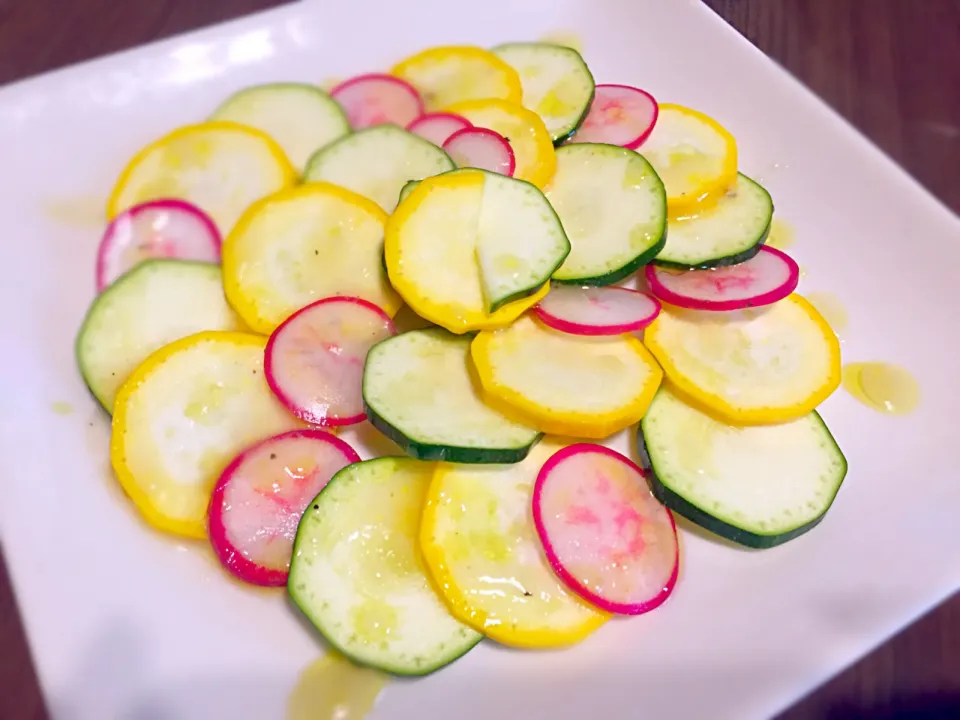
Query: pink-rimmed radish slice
x,y
619,115
314,360
377,99
767,277
167,228
261,495
481,148
597,310
604,533
438,127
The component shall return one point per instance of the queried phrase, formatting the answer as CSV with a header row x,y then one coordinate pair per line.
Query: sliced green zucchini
x,y
758,486
557,84
407,189
301,118
417,391
520,241
614,208
357,575
377,162
728,233
150,306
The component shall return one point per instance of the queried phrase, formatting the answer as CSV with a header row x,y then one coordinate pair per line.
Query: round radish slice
x,y
378,99
314,360
619,115
437,127
481,148
156,229
597,310
767,277
260,496
603,531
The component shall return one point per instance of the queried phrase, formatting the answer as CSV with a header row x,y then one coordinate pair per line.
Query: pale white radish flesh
x,y
597,310
482,149
437,127
767,277
314,360
604,533
258,501
156,229
619,115
378,99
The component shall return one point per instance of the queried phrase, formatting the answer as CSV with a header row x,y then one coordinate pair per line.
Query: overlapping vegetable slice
x,y
566,384
481,547
752,366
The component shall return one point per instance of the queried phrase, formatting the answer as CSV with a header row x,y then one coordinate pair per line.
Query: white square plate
x,y
127,624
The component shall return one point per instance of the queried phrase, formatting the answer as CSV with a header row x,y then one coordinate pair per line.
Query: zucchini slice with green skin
x,y
417,390
357,576
757,486
729,233
302,118
150,306
520,241
376,162
408,188
557,84
614,208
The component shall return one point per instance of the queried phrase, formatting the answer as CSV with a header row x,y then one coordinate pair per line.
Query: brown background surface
x,y
891,67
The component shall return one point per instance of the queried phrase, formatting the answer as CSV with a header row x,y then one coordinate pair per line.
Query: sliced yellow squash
x,y
302,245
695,157
221,167
481,547
589,387
182,416
449,74
749,367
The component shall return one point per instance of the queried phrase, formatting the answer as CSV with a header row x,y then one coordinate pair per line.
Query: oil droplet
x,y
333,688
82,212
781,235
882,386
567,39
62,408
831,308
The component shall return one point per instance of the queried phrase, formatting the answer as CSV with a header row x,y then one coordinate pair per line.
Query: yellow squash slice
x,y
221,167
749,367
302,245
480,544
449,74
694,156
182,416
589,387
523,129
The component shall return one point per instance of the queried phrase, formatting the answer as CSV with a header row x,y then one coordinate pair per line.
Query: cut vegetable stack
x,y
506,200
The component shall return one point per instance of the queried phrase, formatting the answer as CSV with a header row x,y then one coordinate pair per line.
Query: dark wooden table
x,y
892,67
